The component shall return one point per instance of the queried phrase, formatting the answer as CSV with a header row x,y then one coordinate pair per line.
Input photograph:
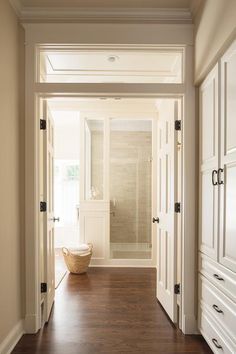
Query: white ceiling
x,y
160,66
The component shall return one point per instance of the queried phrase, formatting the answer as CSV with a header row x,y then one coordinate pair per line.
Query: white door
x,y
208,212
166,194
49,256
227,171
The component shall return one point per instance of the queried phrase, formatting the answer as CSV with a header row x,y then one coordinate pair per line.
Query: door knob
x,y
157,220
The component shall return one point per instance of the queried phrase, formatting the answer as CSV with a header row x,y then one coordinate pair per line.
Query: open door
x,y
166,198
49,219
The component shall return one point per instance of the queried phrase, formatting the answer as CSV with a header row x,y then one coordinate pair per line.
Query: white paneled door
x,y
227,170
166,217
49,260
209,160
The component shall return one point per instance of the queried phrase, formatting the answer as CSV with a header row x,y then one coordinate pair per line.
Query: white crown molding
x,y
195,8
17,6
103,15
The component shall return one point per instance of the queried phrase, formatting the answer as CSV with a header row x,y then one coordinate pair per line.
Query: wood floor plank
x,y
109,310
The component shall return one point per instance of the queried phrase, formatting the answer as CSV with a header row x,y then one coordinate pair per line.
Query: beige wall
x,y
11,171
214,28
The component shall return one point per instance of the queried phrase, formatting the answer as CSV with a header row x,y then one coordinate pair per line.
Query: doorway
x,y
112,205
150,84
116,184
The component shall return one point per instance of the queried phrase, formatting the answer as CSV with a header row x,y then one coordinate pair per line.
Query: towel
x,y
81,249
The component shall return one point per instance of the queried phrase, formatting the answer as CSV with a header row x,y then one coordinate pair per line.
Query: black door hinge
x,y
43,206
178,125
43,124
177,207
44,287
177,289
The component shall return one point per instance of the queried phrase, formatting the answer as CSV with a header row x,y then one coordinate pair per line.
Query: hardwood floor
x,y
109,310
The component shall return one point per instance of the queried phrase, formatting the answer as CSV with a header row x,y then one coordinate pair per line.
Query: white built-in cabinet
x,y
217,207
227,249
209,160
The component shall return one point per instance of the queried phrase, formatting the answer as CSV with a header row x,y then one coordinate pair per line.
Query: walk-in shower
x,y
130,189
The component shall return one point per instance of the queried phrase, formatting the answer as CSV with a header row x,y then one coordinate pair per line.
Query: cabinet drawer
x,y
221,277
213,334
220,306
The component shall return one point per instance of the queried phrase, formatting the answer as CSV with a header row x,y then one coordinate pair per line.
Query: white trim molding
x,y
17,6
101,15
12,338
90,35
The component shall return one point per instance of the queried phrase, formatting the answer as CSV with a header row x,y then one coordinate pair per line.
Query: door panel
x,y
209,137
209,157
93,227
229,74
228,246
49,223
227,249
166,194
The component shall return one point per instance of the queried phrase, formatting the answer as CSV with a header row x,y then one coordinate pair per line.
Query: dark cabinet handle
x,y
218,277
214,172
217,309
215,342
219,176
157,220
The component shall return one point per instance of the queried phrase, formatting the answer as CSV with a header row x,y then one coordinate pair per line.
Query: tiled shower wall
x,y
130,184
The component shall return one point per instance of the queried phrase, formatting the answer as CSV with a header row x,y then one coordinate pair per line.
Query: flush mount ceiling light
x,y
113,58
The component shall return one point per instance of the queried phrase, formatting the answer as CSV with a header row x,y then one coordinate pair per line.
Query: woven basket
x,y
77,264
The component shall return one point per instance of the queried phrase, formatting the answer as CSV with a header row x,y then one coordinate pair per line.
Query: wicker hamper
x,y
77,263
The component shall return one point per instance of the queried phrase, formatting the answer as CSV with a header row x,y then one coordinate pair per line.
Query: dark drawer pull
x,y
219,176
214,172
218,277
215,342
217,309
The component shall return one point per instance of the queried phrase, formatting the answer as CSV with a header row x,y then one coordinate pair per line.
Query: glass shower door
x,y
130,189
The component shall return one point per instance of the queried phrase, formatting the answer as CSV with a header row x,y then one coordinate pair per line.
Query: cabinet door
x,y
227,249
209,153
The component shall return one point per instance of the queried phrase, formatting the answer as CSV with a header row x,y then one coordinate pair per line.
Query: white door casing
x,y
227,172
49,252
87,152
37,34
94,214
166,194
209,161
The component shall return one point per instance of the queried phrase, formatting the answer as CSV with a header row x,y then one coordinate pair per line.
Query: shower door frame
x,y
98,211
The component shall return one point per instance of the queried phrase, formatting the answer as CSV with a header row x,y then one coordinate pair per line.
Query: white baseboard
x,y
189,325
31,323
12,338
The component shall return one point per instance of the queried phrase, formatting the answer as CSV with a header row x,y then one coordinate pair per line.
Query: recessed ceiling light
x,y
112,58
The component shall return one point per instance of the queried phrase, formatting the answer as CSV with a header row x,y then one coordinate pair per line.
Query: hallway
x,y
109,310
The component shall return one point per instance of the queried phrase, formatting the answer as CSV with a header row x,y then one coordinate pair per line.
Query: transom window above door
x,y
157,65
